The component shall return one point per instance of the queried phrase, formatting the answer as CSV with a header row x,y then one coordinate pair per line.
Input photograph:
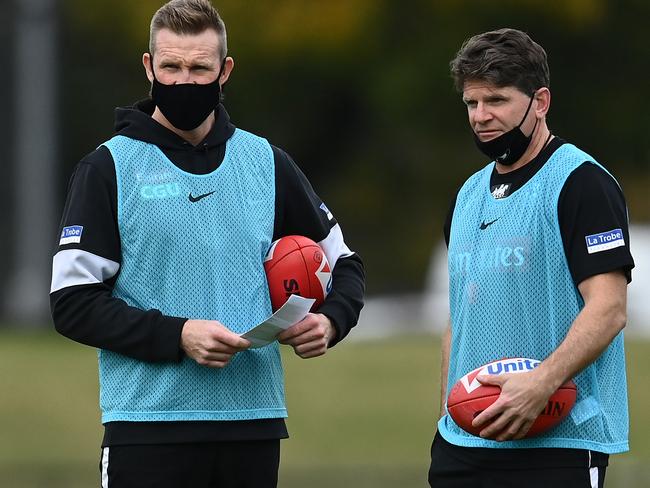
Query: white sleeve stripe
x,y
334,246
76,267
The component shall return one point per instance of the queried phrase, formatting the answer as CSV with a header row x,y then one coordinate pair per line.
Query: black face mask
x,y
509,147
186,105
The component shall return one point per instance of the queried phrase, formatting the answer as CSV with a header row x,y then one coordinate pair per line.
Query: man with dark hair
x,y
539,263
160,266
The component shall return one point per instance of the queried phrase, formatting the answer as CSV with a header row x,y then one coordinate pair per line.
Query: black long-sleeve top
x,y
84,309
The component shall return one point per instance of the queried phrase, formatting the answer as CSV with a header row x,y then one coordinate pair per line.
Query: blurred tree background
x,y
359,93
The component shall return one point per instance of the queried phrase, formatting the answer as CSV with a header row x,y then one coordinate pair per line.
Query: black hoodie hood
x,y
136,123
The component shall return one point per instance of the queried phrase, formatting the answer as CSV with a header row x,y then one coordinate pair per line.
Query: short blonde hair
x,y
188,17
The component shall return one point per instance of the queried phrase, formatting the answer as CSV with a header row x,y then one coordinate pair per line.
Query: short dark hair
x,y
188,17
504,57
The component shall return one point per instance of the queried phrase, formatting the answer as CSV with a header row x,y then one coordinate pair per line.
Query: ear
x,y
543,98
146,62
229,64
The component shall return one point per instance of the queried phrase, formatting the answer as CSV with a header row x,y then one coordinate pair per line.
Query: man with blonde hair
x,y
160,266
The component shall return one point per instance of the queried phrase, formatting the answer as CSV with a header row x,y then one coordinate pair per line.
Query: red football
x,y
468,398
296,265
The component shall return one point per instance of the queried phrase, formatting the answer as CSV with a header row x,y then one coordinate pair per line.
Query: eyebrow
x,y
497,96
489,98
175,61
201,64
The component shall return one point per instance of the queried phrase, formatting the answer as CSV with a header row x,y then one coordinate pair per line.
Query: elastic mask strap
x,y
153,72
530,104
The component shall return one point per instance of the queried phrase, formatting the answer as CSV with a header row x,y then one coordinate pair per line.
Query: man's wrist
x,y
332,332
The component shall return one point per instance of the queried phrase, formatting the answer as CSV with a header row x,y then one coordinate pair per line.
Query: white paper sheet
x,y
293,311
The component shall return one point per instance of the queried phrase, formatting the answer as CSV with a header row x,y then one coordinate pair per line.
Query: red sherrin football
x,y
468,398
296,265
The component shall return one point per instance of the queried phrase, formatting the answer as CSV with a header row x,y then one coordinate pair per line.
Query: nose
x,y
185,76
481,114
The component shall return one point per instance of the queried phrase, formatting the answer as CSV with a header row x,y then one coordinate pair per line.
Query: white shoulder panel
x,y
334,246
73,267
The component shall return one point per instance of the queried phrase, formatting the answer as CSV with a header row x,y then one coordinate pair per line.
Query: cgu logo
x,y
291,287
158,192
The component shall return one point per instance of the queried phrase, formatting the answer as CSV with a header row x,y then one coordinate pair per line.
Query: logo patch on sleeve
x,y
324,208
71,235
604,241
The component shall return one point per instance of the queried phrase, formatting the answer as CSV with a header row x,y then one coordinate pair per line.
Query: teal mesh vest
x,y
512,295
200,259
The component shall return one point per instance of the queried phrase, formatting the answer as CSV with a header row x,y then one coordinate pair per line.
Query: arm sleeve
x,y
299,211
591,202
86,265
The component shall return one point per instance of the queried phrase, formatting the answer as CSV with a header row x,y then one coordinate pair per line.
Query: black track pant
x,y
450,468
240,464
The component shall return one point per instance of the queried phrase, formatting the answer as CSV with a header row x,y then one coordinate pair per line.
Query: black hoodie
x,y
89,314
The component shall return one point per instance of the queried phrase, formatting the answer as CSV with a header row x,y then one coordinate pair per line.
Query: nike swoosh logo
x,y
485,225
194,199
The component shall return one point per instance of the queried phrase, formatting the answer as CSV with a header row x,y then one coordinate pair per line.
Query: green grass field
x,y
362,416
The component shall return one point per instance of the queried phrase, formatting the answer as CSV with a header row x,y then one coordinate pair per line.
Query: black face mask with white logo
x,y
186,105
509,147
